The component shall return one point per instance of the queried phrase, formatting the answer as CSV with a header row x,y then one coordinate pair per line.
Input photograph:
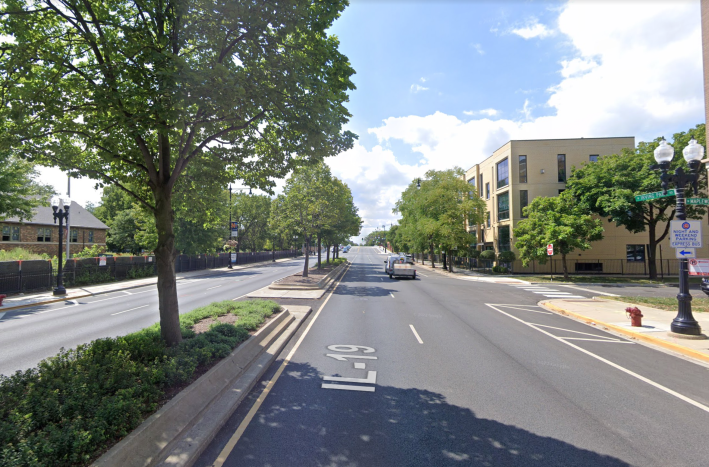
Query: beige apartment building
x,y
521,170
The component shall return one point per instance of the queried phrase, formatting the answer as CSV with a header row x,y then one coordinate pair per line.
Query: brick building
x,y
41,235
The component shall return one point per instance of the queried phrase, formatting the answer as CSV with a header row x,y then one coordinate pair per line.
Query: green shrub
x,y
474,253
93,251
68,409
20,254
488,255
92,277
507,256
139,272
501,269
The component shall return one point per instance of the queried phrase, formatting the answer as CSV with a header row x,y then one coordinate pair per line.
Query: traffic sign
x,y
655,195
699,267
702,201
550,249
683,253
686,234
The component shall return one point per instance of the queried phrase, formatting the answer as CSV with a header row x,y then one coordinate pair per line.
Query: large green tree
x,y
561,221
19,192
436,213
609,186
149,95
252,212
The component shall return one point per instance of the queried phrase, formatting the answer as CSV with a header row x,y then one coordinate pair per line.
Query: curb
x,y
178,433
5,308
686,351
322,283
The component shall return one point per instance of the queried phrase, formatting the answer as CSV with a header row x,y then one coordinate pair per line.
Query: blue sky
x,y
443,84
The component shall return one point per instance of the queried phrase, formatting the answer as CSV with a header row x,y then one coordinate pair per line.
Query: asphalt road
x,y
28,335
454,372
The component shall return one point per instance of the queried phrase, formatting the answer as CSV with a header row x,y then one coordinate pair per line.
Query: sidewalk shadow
x,y
302,424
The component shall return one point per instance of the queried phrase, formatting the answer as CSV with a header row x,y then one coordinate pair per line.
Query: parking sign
x,y
686,234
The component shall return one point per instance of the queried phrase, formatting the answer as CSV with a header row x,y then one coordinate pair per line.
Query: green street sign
x,y
655,195
702,201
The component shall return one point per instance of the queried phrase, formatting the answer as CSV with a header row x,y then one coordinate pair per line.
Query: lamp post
x,y
231,229
684,323
62,215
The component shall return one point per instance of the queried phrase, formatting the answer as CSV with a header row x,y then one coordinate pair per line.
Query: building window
x,y
503,206
471,182
593,158
487,190
523,201
480,187
503,174
91,236
523,169
488,219
635,252
10,234
44,234
74,236
561,165
5,233
503,235
562,190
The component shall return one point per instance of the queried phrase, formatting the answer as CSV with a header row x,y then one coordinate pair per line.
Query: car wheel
x,y
391,276
414,274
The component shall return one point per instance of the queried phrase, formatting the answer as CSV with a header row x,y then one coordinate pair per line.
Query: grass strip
x,y
72,407
699,304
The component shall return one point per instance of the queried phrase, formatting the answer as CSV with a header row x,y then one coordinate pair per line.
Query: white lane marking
x,y
219,462
125,311
392,295
424,275
413,329
608,362
381,279
589,290
215,287
126,292
542,292
2,314
575,332
345,387
73,304
597,340
359,366
564,296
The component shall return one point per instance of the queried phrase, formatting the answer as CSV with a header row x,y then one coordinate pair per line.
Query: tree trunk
x,y
450,263
563,265
445,263
327,260
307,256
165,255
433,265
652,267
319,252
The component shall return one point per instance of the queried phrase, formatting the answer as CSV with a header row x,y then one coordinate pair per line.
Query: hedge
x,y
70,408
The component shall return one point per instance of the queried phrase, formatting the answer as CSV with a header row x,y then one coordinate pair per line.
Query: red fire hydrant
x,y
2,295
635,316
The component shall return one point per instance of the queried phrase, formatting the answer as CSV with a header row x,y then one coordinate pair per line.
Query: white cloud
x,y
488,112
577,66
423,80
478,48
532,29
415,88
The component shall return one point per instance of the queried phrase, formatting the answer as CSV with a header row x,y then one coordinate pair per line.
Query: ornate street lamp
x,y
684,323
62,215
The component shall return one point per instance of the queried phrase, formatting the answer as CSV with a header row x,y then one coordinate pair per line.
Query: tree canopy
x,y
561,221
609,186
150,96
19,193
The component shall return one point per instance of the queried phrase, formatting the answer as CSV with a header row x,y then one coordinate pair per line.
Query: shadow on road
x,y
302,424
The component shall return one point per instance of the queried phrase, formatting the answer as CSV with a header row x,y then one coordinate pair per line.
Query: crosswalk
x,y
547,292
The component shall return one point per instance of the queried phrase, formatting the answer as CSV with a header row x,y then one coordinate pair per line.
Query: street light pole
x,y
684,323
60,215
230,226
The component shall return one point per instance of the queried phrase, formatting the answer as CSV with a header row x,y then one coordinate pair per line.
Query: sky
x,y
442,84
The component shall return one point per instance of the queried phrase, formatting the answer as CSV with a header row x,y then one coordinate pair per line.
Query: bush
x,y
475,253
139,272
500,269
91,252
20,254
488,255
507,256
71,407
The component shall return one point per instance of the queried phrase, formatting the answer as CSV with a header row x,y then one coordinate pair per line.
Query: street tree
x,y
436,213
347,222
19,192
252,212
609,186
559,220
147,95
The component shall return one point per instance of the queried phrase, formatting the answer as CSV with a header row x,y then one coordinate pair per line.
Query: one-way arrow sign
x,y
683,253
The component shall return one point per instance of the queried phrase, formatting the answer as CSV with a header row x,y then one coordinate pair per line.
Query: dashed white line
x,y
392,295
413,329
215,287
125,311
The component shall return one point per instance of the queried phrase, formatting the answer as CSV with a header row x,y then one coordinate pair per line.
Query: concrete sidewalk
x,y
21,301
610,315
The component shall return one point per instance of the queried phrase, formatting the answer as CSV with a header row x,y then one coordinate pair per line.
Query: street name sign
x,y
701,201
655,195
686,234
699,267
683,253
550,249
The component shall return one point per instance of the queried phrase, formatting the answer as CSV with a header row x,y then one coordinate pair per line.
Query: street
x,y
444,371
31,334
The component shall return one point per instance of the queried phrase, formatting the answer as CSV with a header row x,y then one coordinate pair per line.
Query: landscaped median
x,y
71,408
317,278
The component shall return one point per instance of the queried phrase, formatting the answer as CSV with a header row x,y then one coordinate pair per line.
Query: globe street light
x,y
62,215
684,322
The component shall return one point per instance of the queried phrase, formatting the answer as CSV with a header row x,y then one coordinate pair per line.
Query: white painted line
x,y
359,366
2,314
416,333
575,332
592,291
542,292
392,295
370,379
125,311
73,304
611,341
215,287
564,296
614,365
345,387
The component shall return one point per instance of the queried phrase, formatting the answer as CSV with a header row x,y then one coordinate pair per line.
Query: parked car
x,y
705,286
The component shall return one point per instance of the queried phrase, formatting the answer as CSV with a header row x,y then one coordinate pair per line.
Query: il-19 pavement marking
x,y
565,340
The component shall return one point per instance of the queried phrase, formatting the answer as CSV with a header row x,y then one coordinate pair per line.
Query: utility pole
x,y
68,226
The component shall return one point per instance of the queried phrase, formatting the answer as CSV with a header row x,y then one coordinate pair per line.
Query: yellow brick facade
x,y
543,179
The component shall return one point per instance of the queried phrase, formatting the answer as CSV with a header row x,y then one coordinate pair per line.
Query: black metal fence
x,y
39,275
621,267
